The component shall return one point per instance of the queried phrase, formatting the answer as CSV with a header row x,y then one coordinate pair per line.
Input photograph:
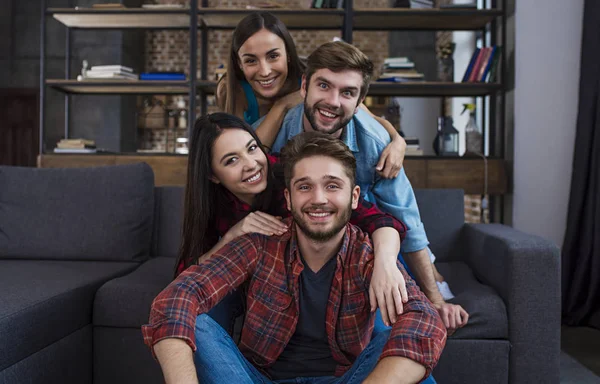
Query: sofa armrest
x,y
525,271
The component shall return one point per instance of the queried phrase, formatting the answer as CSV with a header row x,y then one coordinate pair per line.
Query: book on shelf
x,y
421,4
111,75
78,141
75,150
483,65
75,146
327,4
109,6
110,68
162,76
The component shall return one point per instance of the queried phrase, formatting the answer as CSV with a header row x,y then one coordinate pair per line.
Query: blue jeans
x,y
217,358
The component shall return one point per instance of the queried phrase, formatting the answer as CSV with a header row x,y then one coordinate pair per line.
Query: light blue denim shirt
x,y
366,138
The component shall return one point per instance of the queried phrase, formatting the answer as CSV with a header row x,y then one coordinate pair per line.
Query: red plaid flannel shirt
x,y
232,210
272,267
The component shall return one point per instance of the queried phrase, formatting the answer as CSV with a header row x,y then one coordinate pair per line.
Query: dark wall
x,y
110,120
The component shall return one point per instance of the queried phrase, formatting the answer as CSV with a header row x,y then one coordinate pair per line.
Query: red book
x,y
477,66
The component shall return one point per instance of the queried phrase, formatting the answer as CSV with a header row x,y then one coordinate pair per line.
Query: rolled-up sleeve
x,y
396,197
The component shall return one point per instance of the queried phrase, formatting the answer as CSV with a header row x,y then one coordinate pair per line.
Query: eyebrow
x,y
326,177
253,55
324,80
233,153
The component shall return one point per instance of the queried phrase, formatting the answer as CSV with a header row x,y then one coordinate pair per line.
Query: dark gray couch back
x,y
97,213
443,215
168,220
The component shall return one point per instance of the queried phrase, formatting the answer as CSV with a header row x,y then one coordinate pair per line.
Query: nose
x,y
265,68
318,196
333,99
249,163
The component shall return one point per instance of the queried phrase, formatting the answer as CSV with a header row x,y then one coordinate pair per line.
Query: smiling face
x,y
330,100
239,164
321,197
263,60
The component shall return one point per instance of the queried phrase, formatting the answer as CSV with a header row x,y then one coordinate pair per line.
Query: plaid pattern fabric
x,y
272,266
232,210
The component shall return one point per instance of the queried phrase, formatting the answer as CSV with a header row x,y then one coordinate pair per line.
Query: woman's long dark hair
x,y
247,27
201,194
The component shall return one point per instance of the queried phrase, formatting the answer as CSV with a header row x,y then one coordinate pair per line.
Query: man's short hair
x,y
308,144
339,56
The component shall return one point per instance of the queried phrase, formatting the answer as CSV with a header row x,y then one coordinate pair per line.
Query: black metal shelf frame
x,y
495,9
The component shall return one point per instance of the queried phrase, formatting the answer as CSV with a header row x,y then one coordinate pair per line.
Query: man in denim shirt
x,y
335,83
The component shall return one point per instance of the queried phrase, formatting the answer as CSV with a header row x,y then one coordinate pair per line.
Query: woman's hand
x,y
290,100
391,159
387,291
257,222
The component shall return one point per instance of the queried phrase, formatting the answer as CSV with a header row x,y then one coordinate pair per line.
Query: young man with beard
x,y
308,310
335,82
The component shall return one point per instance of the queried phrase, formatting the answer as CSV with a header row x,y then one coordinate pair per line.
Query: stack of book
x,y
111,72
399,70
75,146
483,66
421,4
412,147
166,76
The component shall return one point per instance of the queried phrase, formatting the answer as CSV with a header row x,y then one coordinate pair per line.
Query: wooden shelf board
x,y
422,19
227,18
461,173
432,89
117,87
122,18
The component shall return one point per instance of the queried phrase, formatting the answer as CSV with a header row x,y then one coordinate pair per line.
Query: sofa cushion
x,y
487,312
98,213
125,301
43,301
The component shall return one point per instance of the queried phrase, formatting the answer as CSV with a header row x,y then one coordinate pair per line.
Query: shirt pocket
x,y
270,297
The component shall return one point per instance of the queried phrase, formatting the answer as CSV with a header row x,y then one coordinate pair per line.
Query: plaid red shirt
x,y
232,210
272,267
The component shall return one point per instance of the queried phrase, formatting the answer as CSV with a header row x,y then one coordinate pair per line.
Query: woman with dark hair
x,y
263,79
231,191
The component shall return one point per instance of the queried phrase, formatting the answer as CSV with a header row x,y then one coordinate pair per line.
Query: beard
x,y
325,235
311,114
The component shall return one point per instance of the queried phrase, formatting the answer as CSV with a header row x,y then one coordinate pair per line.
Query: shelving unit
x,y
202,19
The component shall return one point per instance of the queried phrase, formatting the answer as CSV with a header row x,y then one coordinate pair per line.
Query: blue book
x,y
489,63
162,76
471,64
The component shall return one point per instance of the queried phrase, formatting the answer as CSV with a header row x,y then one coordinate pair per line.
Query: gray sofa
x,y
84,251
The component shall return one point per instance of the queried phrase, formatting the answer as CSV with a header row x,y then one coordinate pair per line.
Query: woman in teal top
x,y
264,74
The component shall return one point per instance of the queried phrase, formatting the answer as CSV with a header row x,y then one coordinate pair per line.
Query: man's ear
x,y
303,87
286,193
358,104
355,196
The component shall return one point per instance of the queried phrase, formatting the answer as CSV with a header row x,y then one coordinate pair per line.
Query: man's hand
x,y
396,370
387,290
453,315
390,161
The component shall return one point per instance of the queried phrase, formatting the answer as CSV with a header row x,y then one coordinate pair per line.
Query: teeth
x,y
319,214
267,82
253,178
325,113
